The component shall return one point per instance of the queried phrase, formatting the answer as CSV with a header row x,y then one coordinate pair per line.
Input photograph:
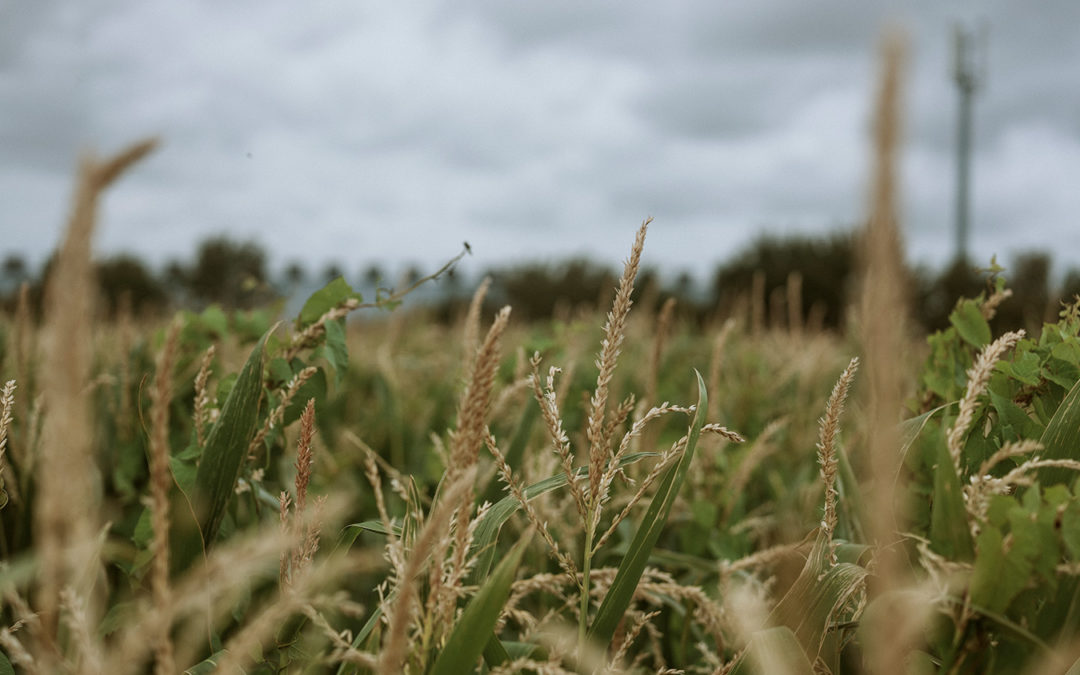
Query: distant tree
x,y
125,275
331,272
936,295
228,272
1030,305
827,266
535,290
373,275
15,271
1070,286
294,274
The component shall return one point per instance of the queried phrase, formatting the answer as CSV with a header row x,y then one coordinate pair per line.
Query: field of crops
x,y
360,489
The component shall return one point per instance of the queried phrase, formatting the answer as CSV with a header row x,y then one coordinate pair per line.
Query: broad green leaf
x,y
470,634
970,324
1000,572
5,666
911,428
817,594
949,532
323,300
621,593
226,446
334,351
773,651
1061,440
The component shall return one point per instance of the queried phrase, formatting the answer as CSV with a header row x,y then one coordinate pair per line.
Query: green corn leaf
x,y
949,532
619,596
1059,440
773,651
226,446
323,300
812,601
971,324
5,665
470,634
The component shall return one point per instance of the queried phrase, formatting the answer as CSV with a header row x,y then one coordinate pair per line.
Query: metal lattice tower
x,y
967,81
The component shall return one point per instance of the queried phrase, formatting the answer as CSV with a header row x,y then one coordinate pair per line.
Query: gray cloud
x,y
385,132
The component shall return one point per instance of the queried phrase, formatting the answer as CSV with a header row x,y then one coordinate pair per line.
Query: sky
x,y
355,132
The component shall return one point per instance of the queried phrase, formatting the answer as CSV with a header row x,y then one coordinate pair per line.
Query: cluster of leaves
x,y
1001,524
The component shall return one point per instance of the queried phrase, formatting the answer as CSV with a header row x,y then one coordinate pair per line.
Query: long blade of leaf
x,y
949,532
619,596
227,444
470,634
1059,439
812,601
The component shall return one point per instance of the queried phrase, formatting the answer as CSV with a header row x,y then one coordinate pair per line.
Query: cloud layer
x,y
388,132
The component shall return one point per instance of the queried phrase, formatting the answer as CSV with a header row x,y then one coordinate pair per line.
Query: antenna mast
x,y
967,82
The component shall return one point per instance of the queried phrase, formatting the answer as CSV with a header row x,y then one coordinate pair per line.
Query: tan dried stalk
x,y
399,609
467,439
471,340
660,336
989,308
716,361
978,379
882,313
830,426
516,489
7,402
160,483
274,418
665,460
614,332
65,520
305,530
87,658
549,409
202,395
310,335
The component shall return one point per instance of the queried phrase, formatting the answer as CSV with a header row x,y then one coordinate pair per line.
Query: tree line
x,y
804,279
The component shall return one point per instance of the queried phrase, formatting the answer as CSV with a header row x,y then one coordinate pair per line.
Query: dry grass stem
x,y
516,489
310,335
614,332
160,483
87,658
399,610
274,418
65,520
202,395
882,314
830,426
978,380
665,460
549,408
471,340
716,361
660,336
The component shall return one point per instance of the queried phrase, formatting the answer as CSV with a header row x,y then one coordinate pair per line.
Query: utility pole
x,y
967,82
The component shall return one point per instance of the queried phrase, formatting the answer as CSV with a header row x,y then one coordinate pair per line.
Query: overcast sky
x,y
390,132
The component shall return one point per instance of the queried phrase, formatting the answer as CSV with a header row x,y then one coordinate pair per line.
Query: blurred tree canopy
x,y
782,279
